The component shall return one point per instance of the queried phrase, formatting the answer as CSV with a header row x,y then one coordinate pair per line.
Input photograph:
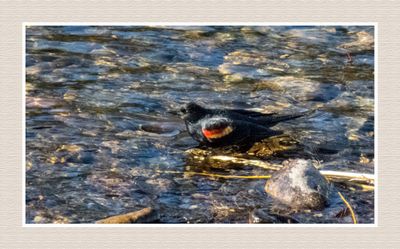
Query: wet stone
x,y
299,185
363,41
299,88
160,128
263,215
244,66
185,143
38,102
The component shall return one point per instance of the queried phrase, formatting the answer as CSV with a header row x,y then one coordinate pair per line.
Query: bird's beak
x,y
175,111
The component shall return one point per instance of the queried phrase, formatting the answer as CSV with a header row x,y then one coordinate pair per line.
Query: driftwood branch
x,y
131,217
332,175
363,177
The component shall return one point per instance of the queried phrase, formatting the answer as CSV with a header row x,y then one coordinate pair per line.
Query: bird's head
x,y
192,112
216,127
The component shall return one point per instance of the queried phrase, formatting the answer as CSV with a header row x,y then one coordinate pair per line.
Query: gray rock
x,y
299,185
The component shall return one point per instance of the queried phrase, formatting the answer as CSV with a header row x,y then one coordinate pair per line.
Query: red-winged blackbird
x,y
225,127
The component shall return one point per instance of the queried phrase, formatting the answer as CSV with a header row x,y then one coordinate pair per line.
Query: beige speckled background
x,y
13,13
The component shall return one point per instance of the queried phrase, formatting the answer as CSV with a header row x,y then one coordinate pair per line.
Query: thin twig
x,y
353,215
214,175
349,58
364,187
350,175
239,160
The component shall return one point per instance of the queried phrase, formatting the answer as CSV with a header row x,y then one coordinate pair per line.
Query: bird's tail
x,y
274,119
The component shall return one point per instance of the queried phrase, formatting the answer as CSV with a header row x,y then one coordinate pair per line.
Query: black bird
x,y
225,127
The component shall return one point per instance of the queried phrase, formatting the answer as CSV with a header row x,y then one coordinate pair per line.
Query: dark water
x,y
101,138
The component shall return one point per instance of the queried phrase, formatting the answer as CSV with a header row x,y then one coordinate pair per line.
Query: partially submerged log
x,y
127,218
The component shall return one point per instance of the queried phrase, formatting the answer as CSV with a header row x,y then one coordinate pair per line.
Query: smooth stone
x,y
159,128
299,185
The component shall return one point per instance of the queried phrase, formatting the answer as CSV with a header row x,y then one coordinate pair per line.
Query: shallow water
x,y
102,139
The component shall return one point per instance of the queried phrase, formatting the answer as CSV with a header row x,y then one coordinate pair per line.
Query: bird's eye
x,y
183,110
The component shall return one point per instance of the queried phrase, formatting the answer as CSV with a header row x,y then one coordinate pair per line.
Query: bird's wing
x,y
271,120
252,114
274,119
252,132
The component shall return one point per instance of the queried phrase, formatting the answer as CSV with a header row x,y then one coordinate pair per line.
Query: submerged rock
x,y
299,185
245,66
364,41
162,128
263,215
38,102
301,89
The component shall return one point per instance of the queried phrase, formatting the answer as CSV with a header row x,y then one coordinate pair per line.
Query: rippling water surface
x,y
101,138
